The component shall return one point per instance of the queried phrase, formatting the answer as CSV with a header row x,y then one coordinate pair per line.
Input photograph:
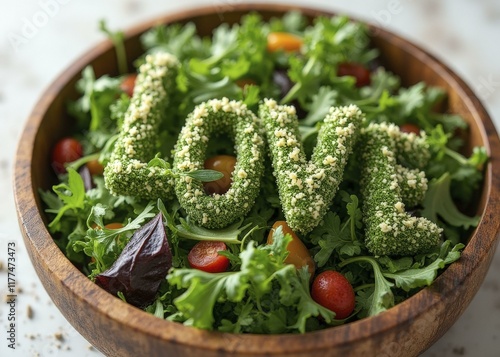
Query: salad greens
x,y
260,293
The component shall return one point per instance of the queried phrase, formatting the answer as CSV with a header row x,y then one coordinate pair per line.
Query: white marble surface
x,y
462,33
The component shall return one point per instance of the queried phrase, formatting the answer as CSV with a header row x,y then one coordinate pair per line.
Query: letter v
x,y
306,188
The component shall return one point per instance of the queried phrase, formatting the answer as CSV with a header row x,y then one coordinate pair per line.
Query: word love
x,y
306,187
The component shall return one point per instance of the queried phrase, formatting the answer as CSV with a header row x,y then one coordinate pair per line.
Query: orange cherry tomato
x,y
410,128
114,225
128,84
284,41
95,167
66,150
224,164
205,256
356,70
299,255
332,290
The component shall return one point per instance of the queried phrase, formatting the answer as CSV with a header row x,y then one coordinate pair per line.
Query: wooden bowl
x,y
119,329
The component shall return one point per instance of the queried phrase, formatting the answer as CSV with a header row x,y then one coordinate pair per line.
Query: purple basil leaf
x,y
142,265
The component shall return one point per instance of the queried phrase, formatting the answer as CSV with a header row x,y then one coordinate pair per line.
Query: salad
x,y
273,178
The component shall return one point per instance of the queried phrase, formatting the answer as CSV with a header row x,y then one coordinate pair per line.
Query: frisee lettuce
x,y
263,282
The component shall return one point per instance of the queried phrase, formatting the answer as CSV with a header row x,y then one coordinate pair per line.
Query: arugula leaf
x,y
229,234
438,202
202,88
415,278
71,194
406,275
354,212
382,297
395,265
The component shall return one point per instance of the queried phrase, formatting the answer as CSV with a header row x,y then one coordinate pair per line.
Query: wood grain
x,y
118,329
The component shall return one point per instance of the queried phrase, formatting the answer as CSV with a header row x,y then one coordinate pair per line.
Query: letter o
x,y
236,120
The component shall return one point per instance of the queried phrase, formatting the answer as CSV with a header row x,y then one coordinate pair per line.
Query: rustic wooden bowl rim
x,y
38,239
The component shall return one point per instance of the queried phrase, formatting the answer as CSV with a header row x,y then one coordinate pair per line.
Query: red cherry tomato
x,y
66,150
410,128
205,256
128,84
298,253
332,290
358,71
224,164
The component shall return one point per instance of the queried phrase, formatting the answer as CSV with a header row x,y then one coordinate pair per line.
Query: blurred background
x,y
40,38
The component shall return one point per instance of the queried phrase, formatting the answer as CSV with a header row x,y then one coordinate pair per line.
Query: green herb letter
x,y
128,172
306,189
387,187
208,118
